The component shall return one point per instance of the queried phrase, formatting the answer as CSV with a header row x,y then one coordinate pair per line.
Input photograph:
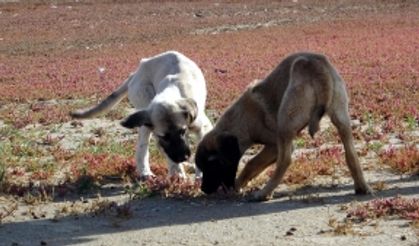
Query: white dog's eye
x,y
164,138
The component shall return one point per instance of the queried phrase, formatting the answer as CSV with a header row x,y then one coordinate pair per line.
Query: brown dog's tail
x,y
317,71
106,104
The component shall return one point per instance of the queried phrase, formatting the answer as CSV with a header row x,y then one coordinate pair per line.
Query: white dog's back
x,y
160,72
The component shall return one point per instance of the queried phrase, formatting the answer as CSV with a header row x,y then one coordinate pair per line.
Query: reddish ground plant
x,y
307,167
395,207
375,54
100,165
172,187
402,160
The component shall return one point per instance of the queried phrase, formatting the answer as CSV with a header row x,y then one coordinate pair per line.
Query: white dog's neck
x,y
169,94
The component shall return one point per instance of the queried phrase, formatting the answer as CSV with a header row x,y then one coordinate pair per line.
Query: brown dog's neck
x,y
247,120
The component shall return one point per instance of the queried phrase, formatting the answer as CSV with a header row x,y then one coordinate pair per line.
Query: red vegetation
x,y
406,208
99,165
404,160
376,54
308,166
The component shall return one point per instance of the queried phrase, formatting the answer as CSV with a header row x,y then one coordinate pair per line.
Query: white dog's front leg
x,y
176,169
202,126
142,152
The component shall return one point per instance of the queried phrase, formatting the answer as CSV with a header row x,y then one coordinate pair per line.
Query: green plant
x,y
300,142
412,122
375,146
139,191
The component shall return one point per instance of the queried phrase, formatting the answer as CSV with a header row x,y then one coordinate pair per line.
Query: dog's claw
x,y
146,177
258,196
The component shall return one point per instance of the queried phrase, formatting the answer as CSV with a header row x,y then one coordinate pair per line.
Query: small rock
x,y
219,70
394,141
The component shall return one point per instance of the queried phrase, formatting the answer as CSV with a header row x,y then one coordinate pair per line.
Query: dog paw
x,y
259,196
198,182
146,177
365,190
198,175
180,177
238,185
238,190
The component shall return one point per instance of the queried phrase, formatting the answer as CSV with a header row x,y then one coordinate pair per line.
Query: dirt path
x,y
304,217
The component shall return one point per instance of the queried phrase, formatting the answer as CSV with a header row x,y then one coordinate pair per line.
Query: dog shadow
x,y
155,212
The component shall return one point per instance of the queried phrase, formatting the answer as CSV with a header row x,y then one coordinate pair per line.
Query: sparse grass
x,y
7,208
2,173
94,207
339,228
375,146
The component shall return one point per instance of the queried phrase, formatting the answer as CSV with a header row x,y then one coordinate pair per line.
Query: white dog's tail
x,y
106,104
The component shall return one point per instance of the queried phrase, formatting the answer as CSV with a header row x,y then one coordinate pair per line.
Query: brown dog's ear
x,y
189,109
137,119
228,146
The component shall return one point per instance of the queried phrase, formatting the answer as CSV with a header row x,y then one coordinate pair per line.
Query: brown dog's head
x,y
218,157
169,122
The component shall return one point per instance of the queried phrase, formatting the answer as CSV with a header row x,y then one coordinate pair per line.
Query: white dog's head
x,y
169,122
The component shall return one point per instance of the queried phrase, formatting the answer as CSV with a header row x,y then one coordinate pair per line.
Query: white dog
x,y
169,92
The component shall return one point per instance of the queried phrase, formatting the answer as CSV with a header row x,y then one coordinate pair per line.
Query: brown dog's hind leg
x,y
341,120
256,165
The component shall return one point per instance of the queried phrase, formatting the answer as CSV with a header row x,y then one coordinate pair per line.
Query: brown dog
x,y
301,89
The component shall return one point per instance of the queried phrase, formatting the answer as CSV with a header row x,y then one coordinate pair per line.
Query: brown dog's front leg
x,y
256,165
282,163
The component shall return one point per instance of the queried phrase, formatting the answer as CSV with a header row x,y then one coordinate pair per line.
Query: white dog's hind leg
x,y
142,153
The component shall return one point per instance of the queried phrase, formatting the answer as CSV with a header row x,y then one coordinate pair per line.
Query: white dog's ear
x,y
189,109
137,119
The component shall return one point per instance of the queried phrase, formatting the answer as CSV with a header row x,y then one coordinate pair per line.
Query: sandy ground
x,y
305,213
